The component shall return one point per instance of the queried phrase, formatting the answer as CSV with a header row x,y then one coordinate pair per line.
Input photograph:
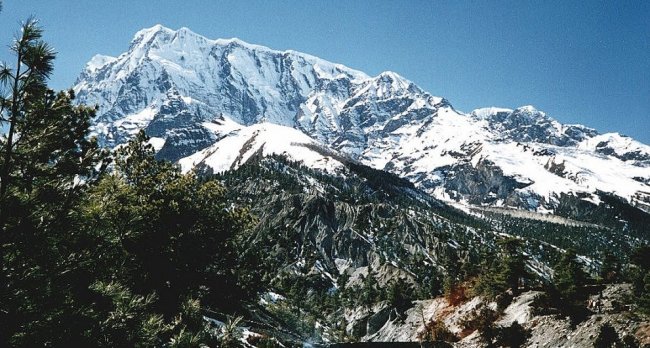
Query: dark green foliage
x,y
629,341
639,275
569,276
454,291
513,336
613,212
46,165
451,262
143,245
643,301
294,318
176,234
129,259
641,257
429,281
513,271
400,295
545,304
607,337
369,292
588,240
610,271
266,342
230,335
567,292
436,330
131,321
504,271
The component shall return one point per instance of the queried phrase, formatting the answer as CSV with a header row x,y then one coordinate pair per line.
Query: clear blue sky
x,y
580,61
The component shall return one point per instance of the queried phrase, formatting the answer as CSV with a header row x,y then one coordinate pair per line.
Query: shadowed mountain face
x,y
215,103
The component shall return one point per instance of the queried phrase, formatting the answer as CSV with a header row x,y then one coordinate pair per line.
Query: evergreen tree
x,y
400,294
369,292
611,268
643,301
641,257
639,275
131,258
451,282
177,234
46,163
513,336
568,276
513,264
506,271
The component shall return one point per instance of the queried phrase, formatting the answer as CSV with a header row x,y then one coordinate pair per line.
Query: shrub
x,y
436,330
607,337
513,336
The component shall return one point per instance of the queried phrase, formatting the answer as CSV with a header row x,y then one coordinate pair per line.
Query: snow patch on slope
x,y
239,143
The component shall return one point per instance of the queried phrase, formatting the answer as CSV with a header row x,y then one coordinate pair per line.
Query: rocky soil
x,y
382,324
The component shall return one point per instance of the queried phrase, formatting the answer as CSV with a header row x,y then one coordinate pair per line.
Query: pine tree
x,y
369,293
451,280
88,258
611,268
46,163
641,257
569,276
178,234
643,301
513,336
513,264
639,275
503,272
400,294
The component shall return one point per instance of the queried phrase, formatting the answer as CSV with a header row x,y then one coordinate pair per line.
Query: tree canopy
x,y
103,248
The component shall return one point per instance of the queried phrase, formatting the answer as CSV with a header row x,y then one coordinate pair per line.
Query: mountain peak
x,y
486,113
98,61
530,111
526,114
149,32
528,108
390,75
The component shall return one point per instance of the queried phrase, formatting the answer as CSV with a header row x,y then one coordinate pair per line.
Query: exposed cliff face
x,y
485,183
361,218
358,217
528,125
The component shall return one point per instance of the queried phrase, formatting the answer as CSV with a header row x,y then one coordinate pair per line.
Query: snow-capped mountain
x,y
215,103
